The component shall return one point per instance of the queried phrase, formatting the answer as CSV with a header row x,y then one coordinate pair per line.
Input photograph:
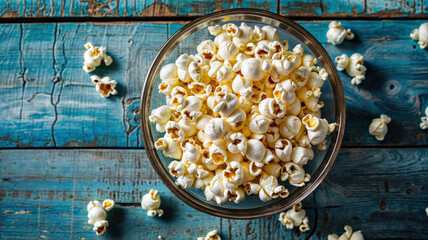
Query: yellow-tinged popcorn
x,y
151,203
108,204
424,120
241,113
295,217
97,215
105,86
347,235
336,33
93,57
379,128
100,227
421,35
212,235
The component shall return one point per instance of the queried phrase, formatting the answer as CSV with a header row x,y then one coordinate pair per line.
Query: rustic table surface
x,y
63,145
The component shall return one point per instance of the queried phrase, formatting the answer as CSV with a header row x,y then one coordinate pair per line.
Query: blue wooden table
x,y
61,145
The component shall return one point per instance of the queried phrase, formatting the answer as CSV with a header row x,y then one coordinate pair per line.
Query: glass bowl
x,y
185,40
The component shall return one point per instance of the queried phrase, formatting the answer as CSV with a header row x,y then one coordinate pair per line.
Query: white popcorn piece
x,y
96,213
293,60
259,123
160,116
195,71
206,46
255,168
183,61
255,150
293,108
286,91
169,74
244,36
242,86
225,103
151,203
301,155
100,227
295,174
295,217
349,234
237,195
269,157
237,119
202,121
108,204
218,152
290,126
353,65
237,143
186,181
215,129
215,30
271,33
262,51
300,76
283,149
192,152
93,57
272,108
317,128
273,169
227,51
234,175
379,128
424,120
212,235
220,38
336,33
421,35
309,60
174,132
169,148
92,204
252,69
105,86
177,168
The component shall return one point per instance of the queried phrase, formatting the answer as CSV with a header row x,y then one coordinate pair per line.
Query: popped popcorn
x,y
424,120
97,214
379,128
336,33
242,114
347,235
93,57
353,65
212,235
105,86
421,35
295,217
151,202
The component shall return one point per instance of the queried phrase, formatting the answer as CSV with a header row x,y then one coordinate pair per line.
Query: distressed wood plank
x,y
167,8
67,112
56,192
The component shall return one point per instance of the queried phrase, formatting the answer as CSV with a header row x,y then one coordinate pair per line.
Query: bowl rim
x,y
321,171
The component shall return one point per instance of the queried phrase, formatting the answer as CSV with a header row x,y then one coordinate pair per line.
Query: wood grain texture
x,y
383,192
167,8
49,101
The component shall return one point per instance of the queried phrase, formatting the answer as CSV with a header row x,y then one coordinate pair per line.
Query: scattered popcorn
x,y
93,57
347,235
241,114
354,66
424,123
421,35
426,210
151,203
295,217
105,86
379,128
97,214
336,33
212,235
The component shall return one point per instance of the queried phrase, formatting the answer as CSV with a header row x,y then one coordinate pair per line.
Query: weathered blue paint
x,y
58,106
382,191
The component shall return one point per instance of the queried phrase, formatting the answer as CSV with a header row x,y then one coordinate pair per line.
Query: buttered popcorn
x,y
242,115
97,215
93,57
349,234
295,217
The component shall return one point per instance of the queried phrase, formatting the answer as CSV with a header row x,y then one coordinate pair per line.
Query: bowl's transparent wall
x,y
188,46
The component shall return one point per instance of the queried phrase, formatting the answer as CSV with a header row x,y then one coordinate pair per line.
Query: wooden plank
x,y
167,8
67,112
129,8
383,192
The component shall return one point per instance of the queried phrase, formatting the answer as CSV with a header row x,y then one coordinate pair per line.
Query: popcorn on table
x,y
336,33
151,203
241,113
295,217
347,235
353,65
93,57
379,128
421,35
424,120
97,214
212,235
105,86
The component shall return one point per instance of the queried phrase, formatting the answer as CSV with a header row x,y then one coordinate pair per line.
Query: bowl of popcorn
x,y
242,113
